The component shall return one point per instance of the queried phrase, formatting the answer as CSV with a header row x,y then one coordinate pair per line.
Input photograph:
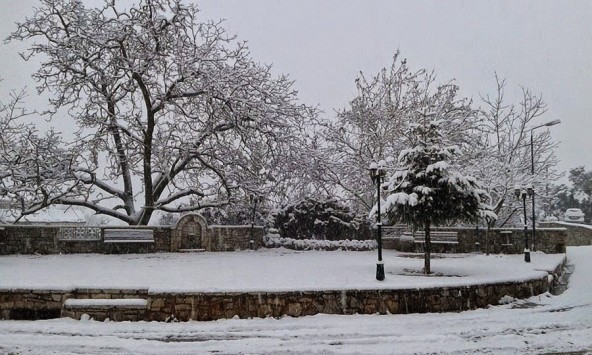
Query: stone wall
x,y
38,304
191,233
511,240
577,234
26,304
231,238
501,240
212,306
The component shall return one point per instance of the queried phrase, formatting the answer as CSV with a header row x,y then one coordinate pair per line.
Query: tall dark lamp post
x,y
377,172
254,199
522,193
548,124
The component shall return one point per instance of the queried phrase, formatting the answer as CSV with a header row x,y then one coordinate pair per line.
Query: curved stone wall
x,y
35,304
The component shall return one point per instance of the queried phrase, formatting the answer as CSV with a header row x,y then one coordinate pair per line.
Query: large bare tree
x,y
504,155
168,108
374,125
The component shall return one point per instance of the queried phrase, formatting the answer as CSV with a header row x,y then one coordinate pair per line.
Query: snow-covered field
x,y
266,269
542,324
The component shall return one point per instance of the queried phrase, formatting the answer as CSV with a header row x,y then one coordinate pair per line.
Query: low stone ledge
x,y
212,306
117,309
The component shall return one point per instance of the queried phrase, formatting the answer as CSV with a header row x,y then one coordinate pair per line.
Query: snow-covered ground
x,y
262,270
542,324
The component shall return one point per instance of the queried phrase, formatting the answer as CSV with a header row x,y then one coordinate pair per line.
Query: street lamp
x,y
521,193
253,199
548,124
377,172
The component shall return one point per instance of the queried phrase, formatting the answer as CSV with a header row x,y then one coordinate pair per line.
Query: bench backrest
x,y
128,236
446,236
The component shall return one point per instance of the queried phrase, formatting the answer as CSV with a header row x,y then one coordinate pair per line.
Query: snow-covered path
x,y
545,324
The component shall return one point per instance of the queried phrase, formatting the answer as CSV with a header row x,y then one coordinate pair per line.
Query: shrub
x,y
320,220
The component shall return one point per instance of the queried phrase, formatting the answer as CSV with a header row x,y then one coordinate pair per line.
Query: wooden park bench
x,y
128,236
442,241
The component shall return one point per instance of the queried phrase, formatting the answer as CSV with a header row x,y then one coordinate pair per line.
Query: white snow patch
x,y
506,300
554,324
265,269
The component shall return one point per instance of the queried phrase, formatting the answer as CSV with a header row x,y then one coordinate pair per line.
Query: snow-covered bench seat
x,y
127,303
128,236
442,240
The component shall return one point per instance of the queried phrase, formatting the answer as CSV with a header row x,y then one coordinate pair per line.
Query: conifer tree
x,y
428,188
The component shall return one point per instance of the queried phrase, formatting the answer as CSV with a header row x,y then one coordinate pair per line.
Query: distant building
x,y
50,215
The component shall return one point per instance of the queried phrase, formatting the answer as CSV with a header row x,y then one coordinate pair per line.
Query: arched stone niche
x,y
190,232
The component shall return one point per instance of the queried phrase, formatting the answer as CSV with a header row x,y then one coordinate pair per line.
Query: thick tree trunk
x,y
428,249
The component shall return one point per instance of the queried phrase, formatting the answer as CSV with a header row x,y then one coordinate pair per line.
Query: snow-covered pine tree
x,y
428,188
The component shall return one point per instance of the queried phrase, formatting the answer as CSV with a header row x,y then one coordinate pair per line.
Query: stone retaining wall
x,y
577,234
190,233
203,306
212,306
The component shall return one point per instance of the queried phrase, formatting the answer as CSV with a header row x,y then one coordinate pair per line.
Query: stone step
x,y
117,309
191,250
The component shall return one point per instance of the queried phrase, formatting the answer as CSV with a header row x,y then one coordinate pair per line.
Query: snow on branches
x,y
503,154
32,164
169,109
375,124
427,188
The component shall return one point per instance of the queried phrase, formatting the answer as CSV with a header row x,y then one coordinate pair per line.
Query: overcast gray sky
x,y
322,44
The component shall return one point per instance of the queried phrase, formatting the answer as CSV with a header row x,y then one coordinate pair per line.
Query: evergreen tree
x,y
428,189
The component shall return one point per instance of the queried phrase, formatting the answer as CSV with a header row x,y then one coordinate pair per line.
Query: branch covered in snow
x,y
170,109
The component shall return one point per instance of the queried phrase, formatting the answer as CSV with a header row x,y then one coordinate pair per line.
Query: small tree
x,y
428,189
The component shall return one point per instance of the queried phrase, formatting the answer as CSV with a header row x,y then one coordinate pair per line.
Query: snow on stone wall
x,y
190,233
577,234
204,306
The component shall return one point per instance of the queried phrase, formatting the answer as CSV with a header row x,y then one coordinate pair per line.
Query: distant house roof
x,y
51,214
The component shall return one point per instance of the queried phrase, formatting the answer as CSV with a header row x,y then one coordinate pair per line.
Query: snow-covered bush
x,y
275,241
320,220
